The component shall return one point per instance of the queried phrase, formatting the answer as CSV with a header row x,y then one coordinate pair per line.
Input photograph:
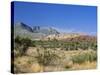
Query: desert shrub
x,y
26,64
81,58
94,46
40,57
46,57
92,56
51,58
21,45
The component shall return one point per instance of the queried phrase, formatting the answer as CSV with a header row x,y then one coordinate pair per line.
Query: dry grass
x,y
36,67
85,65
26,64
29,63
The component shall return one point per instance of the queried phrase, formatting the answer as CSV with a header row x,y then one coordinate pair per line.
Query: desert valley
x,y
45,49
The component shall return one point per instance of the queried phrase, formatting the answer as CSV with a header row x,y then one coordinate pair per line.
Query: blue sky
x,y
65,18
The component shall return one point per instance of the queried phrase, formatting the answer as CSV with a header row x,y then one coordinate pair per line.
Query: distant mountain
x,y
35,32
23,26
45,33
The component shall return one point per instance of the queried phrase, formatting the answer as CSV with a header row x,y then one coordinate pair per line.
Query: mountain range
x,y
39,32
34,32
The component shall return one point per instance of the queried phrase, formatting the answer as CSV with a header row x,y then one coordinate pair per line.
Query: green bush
x,y
81,58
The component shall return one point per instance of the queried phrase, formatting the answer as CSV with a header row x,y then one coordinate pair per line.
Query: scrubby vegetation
x,y
21,45
83,57
81,42
53,55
